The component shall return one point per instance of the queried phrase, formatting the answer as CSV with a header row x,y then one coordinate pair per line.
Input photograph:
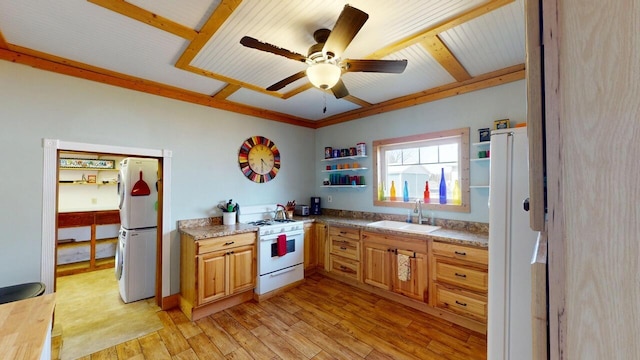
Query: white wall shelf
x,y
350,169
345,158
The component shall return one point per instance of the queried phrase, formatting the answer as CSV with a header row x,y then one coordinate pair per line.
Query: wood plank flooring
x,y
320,319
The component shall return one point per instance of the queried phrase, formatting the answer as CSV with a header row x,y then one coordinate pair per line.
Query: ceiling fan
x,y
323,58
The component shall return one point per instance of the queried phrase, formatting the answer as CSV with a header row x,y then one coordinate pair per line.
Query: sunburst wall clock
x,y
259,159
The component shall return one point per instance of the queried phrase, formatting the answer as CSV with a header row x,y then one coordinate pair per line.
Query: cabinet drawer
x,y
472,279
224,242
345,247
346,267
349,233
462,302
460,252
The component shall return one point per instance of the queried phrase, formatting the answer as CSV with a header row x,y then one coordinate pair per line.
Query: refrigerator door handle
x,y
525,204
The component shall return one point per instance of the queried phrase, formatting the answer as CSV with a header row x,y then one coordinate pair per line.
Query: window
x,y
421,159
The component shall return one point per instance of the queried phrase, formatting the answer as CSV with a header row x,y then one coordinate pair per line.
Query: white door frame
x,y
50,190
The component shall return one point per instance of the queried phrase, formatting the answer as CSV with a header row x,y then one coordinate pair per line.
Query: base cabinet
x,y
396,263
215,270
310,247
344,252
460,280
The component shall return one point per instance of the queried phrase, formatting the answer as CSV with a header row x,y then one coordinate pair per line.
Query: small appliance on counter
x,y
315,206
302,210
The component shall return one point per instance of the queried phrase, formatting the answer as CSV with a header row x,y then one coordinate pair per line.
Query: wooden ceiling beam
x,y
213,24
129,10
84,71
226,91
444,57
437,29
3,42
503,76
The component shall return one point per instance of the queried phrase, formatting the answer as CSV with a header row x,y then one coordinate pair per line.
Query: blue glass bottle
x,y
405,192
443,188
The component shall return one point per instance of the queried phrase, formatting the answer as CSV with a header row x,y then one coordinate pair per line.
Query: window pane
x,y
449,153
428,154
410,156
393,157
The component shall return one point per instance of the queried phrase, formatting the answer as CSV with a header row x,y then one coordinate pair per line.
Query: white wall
x,y
476,110
205,142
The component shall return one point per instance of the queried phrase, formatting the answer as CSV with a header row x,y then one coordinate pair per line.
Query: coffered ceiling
x,y
190,50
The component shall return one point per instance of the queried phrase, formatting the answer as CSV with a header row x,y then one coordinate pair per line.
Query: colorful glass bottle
x,y
457,198
392,192
443,188
405,192
427,194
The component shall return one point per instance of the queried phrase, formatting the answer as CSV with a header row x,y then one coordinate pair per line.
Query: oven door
x,y
268,259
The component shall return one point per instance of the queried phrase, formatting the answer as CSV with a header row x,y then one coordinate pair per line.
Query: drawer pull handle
x,y
461,253
343,232
342,267
343,248
229,243
461,275
461,303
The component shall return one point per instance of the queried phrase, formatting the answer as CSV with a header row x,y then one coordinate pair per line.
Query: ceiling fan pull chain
x,y
324,97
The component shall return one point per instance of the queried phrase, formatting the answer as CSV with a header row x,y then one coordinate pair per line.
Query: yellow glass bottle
x,y
392,192
457,198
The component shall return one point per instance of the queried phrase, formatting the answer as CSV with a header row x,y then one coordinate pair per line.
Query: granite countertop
x,y
443,234
207,228
214,230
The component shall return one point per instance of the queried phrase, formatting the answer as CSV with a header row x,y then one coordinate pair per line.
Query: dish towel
x,y
404,267
282,245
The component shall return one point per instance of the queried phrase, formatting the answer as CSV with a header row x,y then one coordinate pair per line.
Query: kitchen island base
x,y
196,313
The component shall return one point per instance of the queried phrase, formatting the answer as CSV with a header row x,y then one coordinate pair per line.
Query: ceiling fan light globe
x,y
323,76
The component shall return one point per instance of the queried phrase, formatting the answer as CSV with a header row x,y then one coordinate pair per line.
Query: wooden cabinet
x,y
344,252
321,240
382,267
214,269
460,279
310,248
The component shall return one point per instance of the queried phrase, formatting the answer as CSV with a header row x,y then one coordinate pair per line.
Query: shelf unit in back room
x,y
480,168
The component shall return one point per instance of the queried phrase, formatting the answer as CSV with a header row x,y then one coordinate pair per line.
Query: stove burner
x,y
270,222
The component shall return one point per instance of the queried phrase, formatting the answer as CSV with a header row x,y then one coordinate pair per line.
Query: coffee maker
x,y
315,206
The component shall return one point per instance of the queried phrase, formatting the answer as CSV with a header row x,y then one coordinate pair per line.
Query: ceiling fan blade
x,y
286,81
347,26
339,90
382,66
258,45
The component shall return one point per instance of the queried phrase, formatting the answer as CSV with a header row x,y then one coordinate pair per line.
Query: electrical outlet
x,y
94,201
329,198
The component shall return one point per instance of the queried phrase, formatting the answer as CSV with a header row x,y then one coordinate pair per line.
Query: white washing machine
x,y
136,264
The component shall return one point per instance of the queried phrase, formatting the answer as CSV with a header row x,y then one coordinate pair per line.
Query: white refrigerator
x,y
511,247
135,267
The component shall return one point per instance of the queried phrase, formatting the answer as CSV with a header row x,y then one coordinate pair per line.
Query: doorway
x,y
49,212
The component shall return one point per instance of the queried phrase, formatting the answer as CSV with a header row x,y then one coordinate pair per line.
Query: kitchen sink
x,y
403,226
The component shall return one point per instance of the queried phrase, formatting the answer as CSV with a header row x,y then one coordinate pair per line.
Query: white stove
x,y
280,247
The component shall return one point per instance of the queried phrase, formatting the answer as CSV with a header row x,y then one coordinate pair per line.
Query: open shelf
x,y
345,157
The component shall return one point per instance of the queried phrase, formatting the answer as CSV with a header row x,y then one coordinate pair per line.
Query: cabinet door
x,y
212,278
321,242
242,269
377,265
415,286
310,247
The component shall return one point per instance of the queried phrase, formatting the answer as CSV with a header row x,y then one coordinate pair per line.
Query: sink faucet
x,y
418,210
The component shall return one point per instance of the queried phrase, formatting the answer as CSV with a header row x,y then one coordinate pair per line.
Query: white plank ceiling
x,y
118,38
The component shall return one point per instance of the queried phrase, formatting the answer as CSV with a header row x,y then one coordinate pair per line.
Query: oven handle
x,y
282,272
272,237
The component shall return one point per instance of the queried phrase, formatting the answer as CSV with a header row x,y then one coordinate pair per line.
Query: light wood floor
x,y
321,319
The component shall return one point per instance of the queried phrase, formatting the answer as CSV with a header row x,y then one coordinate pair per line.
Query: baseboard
x,y
170,302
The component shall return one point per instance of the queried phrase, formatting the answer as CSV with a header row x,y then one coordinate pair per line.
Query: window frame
x,y
463,164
